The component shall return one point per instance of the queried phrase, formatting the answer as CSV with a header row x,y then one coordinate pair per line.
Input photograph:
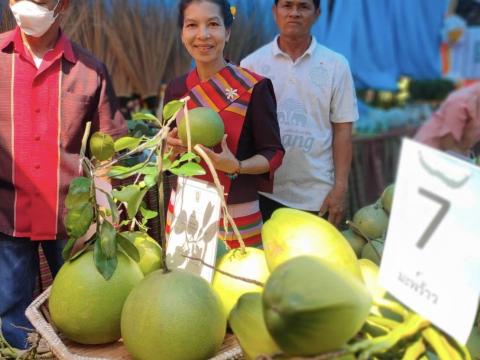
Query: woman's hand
x,y
175,144
224,161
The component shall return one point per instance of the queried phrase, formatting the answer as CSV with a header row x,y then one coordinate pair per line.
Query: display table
x,y
374,166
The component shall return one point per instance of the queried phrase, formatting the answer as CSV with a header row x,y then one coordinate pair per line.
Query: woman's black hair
x,y
223,4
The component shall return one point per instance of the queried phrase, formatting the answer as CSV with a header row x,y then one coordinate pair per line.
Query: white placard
x,y
431,260
194,227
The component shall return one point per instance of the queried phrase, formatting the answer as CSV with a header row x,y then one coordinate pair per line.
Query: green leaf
x,y
152,143
108,239
150,180
123,172
188,169
128,247
132,196
148,170
106,266
78,220
144,116
102,146
79,192
148,214
166,163
130,235
113,208
67,250
126,142
189,156
170,109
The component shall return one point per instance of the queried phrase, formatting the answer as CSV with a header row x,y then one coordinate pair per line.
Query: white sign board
x,y
194,227
431,260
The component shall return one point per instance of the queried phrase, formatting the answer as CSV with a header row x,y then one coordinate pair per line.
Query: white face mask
x,y
33,19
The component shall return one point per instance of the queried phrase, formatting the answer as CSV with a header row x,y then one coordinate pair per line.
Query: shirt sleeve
x,y
344,100
452,117
262,112
107,117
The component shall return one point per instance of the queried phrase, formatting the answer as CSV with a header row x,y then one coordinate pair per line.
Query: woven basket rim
x,y
61,351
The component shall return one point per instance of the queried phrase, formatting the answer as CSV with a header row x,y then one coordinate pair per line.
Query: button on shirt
x,y
312,92
43,113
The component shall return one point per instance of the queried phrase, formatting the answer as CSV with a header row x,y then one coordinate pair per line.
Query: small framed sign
x,y
431,260
194,227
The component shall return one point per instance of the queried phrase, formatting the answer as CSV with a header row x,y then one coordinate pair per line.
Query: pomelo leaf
x,y
189,169
79,192
128,247
148,170
148,214
123,172
150,180
126,142
113,208
78,220
132,196
67,250
102,146
144,116
108,240
170,109
189,156
104,265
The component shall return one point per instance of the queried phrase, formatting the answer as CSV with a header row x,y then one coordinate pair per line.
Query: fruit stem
x,y
250,281
187,125
161,207
226,214
83,149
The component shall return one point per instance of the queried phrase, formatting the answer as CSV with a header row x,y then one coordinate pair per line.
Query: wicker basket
x,y
64,349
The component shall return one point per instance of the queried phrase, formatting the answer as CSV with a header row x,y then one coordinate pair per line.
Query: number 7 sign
x,y
431,260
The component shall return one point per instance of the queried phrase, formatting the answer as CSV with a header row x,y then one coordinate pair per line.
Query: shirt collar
x,y
62,47
276,51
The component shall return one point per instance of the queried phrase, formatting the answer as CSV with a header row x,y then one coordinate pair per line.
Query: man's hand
x,y
334,204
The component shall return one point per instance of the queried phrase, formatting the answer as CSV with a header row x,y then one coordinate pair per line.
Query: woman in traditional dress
x,y
251,150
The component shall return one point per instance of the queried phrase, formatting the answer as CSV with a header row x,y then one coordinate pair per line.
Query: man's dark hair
x,y
316,3
223,4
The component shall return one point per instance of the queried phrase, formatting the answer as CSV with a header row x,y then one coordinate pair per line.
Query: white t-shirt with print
x,y
312,92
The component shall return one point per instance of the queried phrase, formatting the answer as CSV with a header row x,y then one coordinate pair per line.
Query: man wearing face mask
x,y
49,89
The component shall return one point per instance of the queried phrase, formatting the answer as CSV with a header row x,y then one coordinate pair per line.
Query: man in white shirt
x,y
316,108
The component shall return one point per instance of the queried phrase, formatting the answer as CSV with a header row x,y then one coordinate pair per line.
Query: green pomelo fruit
x,y
102,146
356,241
387,198
371,220
221,251
250,265
373,251
311,307
174,316
370,275
290,233
473,343
84,306
248,325
150,251
206,127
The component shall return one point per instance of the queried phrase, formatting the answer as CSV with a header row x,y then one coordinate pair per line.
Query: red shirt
x,y
43,113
